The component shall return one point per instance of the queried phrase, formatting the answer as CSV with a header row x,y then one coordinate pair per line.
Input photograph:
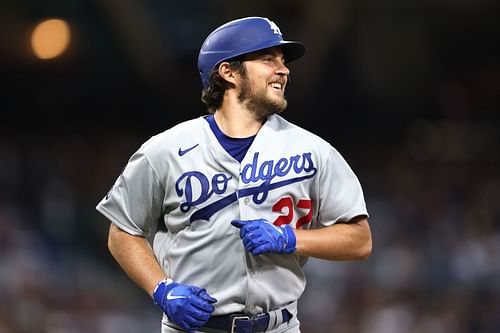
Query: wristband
x,y
291,240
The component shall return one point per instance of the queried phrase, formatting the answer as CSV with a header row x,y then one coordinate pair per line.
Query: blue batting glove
x,y
188,306
261,236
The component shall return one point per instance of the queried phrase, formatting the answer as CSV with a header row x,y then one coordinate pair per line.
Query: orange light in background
x,y
50,38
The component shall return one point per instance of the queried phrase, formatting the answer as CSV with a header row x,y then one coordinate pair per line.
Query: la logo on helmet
x,y
274,27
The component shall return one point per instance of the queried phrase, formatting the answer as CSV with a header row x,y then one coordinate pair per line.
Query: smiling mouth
x,y
278,86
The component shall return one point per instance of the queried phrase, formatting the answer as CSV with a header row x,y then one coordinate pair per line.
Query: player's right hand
x,y
188,306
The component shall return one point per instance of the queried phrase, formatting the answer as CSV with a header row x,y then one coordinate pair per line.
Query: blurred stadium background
x,y
408,91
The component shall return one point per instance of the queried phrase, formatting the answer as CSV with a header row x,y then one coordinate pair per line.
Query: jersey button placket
x,y
243,204
243,201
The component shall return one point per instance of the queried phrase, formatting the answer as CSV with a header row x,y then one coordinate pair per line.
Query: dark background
x,y
408,92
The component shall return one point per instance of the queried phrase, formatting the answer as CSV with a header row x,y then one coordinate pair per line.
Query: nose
x,y
282,69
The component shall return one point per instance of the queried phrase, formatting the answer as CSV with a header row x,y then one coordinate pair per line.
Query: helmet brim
x,y
292,50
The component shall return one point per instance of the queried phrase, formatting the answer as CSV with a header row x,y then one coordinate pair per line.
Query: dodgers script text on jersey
x,y
263,172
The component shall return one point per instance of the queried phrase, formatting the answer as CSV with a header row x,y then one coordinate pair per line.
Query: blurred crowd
x,y
55,273
433,268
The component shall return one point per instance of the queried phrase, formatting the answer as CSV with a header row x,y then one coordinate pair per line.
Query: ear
x,y
227,73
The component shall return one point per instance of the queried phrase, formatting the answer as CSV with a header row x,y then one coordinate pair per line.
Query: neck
x,y
236,121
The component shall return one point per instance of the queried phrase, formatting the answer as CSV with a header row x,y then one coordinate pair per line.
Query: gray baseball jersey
x,y
184,178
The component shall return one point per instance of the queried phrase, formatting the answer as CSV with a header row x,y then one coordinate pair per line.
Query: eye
x,y
268,59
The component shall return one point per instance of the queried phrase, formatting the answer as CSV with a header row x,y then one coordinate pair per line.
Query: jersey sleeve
x,y
341,195
134,203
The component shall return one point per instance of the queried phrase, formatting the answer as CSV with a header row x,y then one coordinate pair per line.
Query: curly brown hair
x,y
213,96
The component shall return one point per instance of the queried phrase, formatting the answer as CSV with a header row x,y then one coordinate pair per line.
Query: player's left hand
x,y
261,236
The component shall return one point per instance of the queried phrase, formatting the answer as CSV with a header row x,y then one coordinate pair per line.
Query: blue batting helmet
x,y
239,37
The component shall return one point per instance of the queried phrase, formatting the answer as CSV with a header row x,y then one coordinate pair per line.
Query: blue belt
x,y
244,323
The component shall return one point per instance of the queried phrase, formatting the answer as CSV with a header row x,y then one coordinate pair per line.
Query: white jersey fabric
x,y
184,178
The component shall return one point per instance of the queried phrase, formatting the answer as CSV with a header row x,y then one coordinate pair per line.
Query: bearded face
x,y
259,100
262,86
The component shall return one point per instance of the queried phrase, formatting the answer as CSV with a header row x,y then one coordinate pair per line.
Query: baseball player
x,y
246,197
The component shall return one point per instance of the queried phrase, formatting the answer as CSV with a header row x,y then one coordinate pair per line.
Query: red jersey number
x,y
285,206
